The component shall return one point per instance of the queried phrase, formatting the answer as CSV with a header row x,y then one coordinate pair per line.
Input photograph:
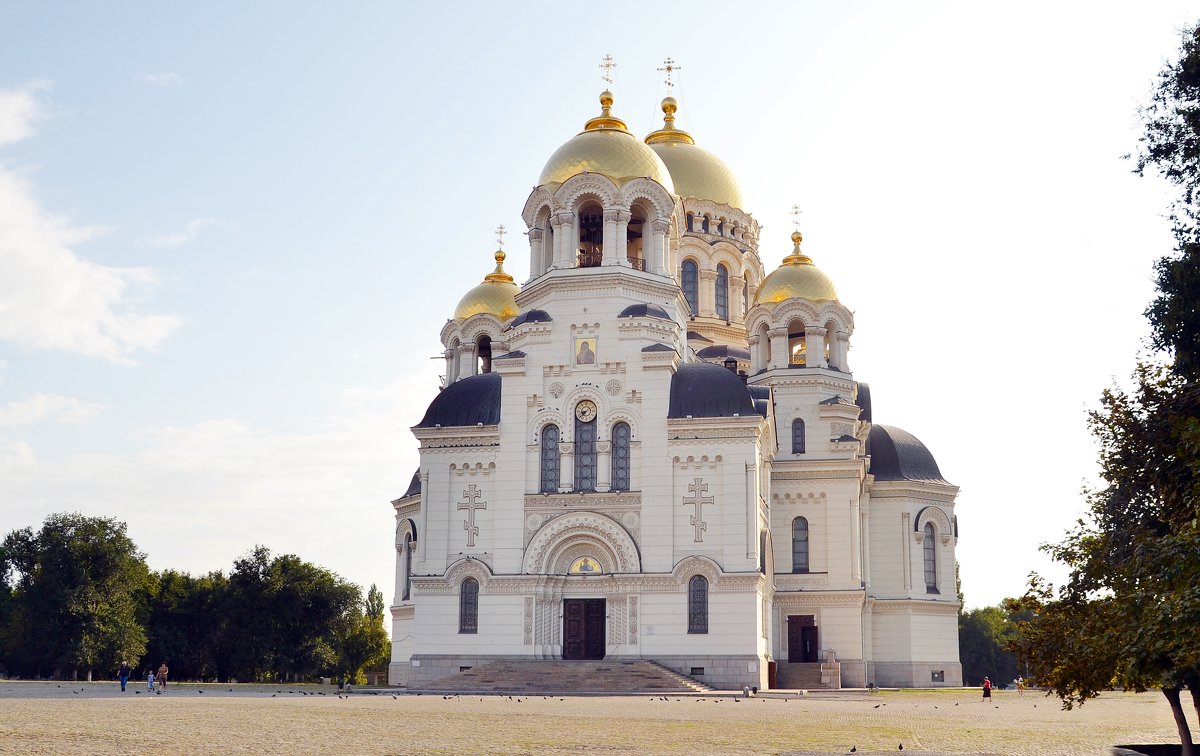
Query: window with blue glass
x,y
550,460
468,606
722,294
585,455
797,436
799,545
698,604
690,280
620,457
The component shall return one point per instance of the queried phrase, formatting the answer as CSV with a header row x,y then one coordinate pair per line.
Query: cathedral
x,y
655,449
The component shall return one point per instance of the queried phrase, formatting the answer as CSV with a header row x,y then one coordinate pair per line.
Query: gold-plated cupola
x,y
496,296
796,278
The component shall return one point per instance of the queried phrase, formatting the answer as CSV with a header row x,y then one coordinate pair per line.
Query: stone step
x,y
520,676
799,676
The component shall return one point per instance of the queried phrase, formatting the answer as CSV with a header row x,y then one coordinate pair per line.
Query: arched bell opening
x,y
635,235
797,344
483,354
591,234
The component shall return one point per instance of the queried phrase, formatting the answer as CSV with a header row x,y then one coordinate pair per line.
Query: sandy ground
x,y
96,718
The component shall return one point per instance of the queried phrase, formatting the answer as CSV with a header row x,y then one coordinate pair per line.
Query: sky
x,y
230,234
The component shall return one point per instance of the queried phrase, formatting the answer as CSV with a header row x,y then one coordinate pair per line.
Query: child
x,y
150,681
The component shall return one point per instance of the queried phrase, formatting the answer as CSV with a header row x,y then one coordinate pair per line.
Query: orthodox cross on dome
x,y
607,64
500,232
796,213
695,489
470,505
669,66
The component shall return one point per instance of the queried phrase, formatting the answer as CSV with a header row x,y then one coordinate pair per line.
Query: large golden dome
x,y
495,296
695,171
796,278
607,147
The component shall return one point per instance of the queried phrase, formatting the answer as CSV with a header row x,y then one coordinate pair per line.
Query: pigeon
x,y
901,748
138,692
878,705
199,691
853,749
393,698
274,694
75,692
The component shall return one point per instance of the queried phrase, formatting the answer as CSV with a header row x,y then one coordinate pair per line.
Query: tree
x,y
983,638
1128,612
364,643
74,604
187,623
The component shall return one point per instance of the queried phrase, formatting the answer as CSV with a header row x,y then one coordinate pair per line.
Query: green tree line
x,y
77,599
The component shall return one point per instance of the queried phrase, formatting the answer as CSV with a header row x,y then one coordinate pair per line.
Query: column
x,y
537,264
855,542
843,346
621,250
736,311
657,253
603,466
554,255
566,467
467,364
757,360
752,540
451,375
708,296
779,348
611,218
814,340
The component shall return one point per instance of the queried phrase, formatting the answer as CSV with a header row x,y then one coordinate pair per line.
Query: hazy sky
x,y
230,234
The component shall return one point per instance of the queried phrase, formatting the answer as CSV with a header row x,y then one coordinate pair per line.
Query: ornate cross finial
x,y
500,231
608,65
669,66
796,213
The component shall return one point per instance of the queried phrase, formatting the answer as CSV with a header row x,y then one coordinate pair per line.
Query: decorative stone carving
x,y
613,387
698,501
557,389
547,550
471,504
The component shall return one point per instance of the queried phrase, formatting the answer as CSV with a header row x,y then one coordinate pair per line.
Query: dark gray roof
x,y
644,311
722,351
836,399
762,397
532,316
658,348
693,336
470,401
898,455
864,402
414,487
510,355
701,389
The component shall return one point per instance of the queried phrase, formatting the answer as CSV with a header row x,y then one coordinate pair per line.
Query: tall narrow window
x,y
930,560
797,436
722,294
407,567
690,280
585,455
690,218
483,354
468,606
799,545
745,296
550,461
698,604
620,457
704,225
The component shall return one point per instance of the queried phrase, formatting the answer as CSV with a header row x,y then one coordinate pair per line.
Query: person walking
x,y
150,681
162,676
123,674
987,689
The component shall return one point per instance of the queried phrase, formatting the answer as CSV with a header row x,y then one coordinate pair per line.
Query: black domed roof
x,y
414,487
723,351
470,401
701,389
531,316
863,400
644,311
899,455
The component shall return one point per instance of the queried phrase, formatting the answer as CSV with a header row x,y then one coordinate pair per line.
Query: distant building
x,y
652,449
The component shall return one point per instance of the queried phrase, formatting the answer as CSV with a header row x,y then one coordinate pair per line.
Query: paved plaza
x,y
95,718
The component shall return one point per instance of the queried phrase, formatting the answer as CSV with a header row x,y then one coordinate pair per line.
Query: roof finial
x,y
500,231
796,213
607,64
669,66
797,257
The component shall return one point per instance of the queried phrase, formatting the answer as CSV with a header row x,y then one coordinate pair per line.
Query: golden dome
x,y
696,172
796,278
495,296
607,147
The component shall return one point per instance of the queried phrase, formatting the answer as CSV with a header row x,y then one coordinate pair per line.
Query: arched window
x,y
591,235
468,606
690,218
698,604
483,353
585,455
722,292
620,457
407,567
550,461
690,280
799,545
797,436
704,225
930,560
745,296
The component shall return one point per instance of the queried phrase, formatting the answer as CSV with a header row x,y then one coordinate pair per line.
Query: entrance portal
x,y
802,639
583,628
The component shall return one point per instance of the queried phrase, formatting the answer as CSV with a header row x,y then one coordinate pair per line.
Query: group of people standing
x,y
160,677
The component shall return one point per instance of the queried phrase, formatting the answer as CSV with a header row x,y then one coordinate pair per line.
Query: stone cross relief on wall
x,y
470,505
697,520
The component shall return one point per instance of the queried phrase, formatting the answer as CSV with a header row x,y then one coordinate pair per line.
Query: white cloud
x,y
19,111
50,298
164,79
62,409
177,239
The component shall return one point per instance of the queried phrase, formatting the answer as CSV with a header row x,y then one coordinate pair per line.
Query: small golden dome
x,y
607,147
495,296
696,172
796,278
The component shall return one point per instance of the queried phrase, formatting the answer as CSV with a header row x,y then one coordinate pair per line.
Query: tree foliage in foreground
x,y
1129,611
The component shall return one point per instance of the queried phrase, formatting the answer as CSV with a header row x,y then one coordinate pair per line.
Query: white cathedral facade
x,y
654,449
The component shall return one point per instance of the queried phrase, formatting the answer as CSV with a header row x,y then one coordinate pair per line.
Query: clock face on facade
x,y
585,411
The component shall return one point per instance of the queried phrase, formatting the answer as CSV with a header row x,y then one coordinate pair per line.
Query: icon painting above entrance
x,y
585,566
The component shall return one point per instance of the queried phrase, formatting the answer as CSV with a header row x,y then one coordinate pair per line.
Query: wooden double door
x,y
802,639
584,628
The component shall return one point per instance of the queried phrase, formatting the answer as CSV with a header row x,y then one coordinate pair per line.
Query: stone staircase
x,y
524,676
808,676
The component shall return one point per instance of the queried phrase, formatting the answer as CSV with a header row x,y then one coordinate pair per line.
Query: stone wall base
x,y
917,674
